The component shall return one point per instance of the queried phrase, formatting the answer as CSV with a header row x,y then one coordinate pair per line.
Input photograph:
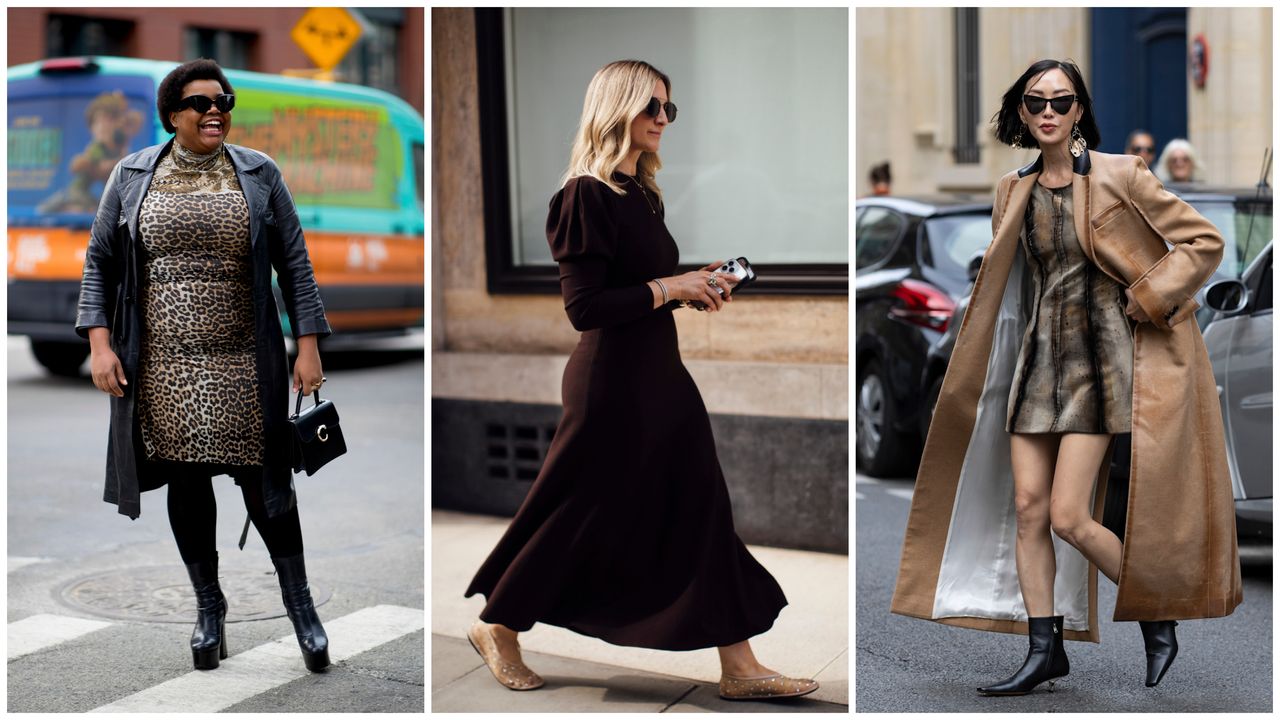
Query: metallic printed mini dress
x,y
1075,367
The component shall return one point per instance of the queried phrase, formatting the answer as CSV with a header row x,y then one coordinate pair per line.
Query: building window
x,y
756,166
967,100
372,60
230,49
74,35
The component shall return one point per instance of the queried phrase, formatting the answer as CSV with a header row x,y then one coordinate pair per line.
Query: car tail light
x,y
68,65
923,305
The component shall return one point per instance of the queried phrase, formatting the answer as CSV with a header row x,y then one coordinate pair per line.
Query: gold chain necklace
x,y
643,194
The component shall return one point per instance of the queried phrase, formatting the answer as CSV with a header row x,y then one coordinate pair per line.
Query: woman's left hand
x,y
1133,309
307,373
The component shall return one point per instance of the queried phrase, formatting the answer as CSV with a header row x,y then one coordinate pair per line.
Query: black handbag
x,y
317,437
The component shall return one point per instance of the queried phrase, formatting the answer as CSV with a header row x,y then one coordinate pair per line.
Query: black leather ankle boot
x,y
292,573
1162,648
1046,660
208,640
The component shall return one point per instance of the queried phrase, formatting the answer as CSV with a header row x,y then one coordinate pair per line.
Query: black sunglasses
x,y
1061,104
202,103
1142,148
656,106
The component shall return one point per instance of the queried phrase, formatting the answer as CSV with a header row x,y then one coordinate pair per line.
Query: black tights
x,y
193,515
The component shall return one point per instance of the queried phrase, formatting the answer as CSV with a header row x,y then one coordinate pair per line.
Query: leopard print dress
x,y
198,382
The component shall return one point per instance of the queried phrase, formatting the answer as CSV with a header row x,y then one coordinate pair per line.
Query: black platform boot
x,y
1162,648
1046,660
312,640
208,640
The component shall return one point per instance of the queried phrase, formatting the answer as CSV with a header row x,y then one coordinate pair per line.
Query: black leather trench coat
x,y
109,298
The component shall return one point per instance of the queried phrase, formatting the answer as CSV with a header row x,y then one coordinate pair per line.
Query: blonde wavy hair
x,y
617,94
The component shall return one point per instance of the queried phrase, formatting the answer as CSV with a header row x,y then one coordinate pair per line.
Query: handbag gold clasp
x,y
321,434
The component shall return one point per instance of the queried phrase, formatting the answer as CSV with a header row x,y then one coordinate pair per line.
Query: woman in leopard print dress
x,y
204,394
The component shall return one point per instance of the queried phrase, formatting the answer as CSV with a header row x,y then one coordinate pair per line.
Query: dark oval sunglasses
x,y
202,103
656,106
1061,104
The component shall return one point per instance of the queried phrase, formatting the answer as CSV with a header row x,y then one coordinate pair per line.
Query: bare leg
x,y
738,660
1033,457
1079,461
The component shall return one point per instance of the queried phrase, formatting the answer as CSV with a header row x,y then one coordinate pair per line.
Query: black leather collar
x,y
1079,166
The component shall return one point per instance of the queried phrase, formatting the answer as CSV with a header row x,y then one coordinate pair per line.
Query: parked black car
x,y
909,273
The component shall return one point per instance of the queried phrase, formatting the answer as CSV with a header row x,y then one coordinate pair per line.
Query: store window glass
x,y
757,162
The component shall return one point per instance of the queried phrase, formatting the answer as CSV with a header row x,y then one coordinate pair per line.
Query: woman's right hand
x,y
692,286
107,372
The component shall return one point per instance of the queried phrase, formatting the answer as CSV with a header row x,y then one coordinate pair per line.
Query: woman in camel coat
x,y
1179,558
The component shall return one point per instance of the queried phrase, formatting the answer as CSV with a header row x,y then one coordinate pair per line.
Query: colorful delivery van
x,y
352,156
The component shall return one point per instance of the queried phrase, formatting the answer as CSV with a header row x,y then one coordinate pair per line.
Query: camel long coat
x,y
1180,558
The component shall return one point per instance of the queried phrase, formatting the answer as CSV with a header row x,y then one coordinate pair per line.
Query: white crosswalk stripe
x,y
17,563
267,666
41,631
903,493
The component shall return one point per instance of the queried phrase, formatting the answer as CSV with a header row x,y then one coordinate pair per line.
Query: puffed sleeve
x,y
1166,291
582,233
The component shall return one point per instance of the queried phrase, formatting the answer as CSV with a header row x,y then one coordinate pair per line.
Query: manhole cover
x,y
163,594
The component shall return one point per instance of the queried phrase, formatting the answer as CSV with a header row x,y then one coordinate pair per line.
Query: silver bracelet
x,y
665,298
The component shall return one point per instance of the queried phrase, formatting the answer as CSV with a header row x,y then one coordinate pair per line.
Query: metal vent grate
x,y
515,451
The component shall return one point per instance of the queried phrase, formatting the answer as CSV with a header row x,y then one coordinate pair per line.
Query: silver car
x,y
1239,342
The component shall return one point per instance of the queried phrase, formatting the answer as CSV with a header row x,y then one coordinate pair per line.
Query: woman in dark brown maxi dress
x,y
627,533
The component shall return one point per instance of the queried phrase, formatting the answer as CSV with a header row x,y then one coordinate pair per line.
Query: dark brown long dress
x,y
627,533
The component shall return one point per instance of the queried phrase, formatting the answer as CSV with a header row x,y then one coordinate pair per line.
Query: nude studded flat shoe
x,y
516,676
765,687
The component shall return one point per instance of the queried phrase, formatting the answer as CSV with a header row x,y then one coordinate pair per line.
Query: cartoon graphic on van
x,y
112,124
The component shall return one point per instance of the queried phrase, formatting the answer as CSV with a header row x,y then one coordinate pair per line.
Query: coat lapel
x,y
1081,206
244,160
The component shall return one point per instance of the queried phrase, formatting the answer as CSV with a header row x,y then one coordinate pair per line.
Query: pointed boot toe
x,y
1162,648
1046,659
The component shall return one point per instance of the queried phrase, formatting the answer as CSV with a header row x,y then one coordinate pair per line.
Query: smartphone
x,y
738,267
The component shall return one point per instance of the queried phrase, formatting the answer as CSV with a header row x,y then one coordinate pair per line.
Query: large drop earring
x,y
1017,139
1078,145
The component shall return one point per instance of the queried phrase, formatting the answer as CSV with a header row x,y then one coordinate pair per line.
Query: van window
x,y
331,151
64,142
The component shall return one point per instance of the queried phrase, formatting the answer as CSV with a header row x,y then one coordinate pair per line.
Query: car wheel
x,y
879,446
59,358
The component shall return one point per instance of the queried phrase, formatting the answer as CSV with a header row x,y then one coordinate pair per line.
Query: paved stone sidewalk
x,y
809,639
460,682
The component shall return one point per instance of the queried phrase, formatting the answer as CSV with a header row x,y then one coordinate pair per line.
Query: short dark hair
x,y
169,94
1129,140
880,173
1009,126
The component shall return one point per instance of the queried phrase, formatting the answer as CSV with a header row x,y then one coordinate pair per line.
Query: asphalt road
x,y
100,609
910,665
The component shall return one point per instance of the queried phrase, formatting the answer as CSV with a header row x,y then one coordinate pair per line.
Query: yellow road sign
x,y
325,34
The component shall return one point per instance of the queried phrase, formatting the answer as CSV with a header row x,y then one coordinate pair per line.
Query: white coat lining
x,y
978,576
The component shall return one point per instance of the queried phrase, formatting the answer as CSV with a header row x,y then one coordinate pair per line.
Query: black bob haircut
x,y
1009,126
169,94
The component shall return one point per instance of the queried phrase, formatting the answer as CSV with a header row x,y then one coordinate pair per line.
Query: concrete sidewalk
x,y
809,639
